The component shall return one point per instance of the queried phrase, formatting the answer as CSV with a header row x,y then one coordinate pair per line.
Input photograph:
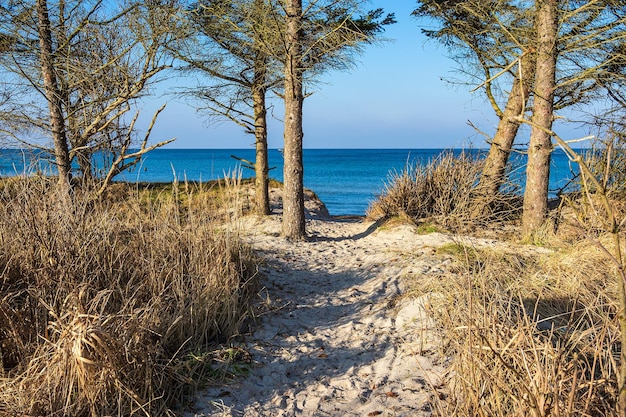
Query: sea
x,y
346,180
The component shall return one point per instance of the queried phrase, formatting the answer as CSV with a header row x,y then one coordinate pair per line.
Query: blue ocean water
x,y
346,180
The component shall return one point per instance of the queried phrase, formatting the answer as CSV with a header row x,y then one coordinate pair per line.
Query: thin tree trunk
x,y
293,195
493,173
261,164
259,91
540,147
57,122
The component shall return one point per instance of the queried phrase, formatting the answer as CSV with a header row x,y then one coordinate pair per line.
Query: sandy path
x,y
343,342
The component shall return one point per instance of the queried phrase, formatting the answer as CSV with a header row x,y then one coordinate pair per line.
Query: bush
x,y
107,309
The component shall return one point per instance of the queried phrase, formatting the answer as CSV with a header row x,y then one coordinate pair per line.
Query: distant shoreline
x,y
347,180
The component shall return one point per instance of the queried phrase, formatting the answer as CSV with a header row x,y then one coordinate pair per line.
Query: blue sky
x,y
395,97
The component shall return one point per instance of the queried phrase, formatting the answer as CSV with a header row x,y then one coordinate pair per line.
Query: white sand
x,y
338,339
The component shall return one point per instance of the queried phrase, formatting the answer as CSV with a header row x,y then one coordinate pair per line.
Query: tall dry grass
x,y
529,335
445,191
109,307
527,332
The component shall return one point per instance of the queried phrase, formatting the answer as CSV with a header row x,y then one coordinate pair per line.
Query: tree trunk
x,y
259,91
493,173
261,164
540,147
57,121
293,195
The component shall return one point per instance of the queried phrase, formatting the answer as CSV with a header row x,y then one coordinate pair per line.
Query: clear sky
x,y
395,97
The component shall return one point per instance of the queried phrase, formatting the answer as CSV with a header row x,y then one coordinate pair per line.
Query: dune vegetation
x,y
533,332
117,305
445,190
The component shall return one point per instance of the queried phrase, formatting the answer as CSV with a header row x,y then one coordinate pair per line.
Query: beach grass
x,y
117,305
529,330
529,334
444,192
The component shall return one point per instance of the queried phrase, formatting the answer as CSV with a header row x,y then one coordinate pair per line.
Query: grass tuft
x,y
445,191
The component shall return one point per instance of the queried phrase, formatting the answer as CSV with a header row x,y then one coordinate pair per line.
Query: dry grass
x,y
529,335
444,191
529,332
110,307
